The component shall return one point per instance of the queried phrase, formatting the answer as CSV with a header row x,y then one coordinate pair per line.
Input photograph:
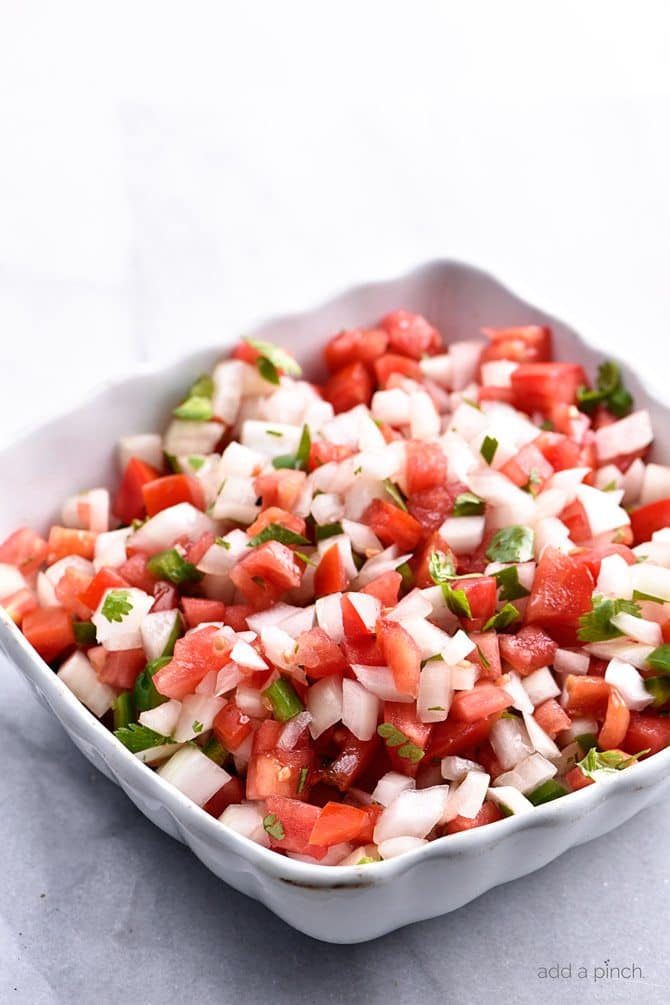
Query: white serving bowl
x,y
341,904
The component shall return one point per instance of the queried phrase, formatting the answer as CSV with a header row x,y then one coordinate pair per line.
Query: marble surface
x,y
170,173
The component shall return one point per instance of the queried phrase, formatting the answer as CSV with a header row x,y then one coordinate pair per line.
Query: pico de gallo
x,y
347,618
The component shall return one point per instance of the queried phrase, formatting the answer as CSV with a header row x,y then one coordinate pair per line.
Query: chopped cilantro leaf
x,y
197,726
457,601
468,504
441,567
327,530
503,619
511,544
509,585
396,739
276,532
659,659
606,761
488,448
596,625
395,494
273,825
137,738
117,605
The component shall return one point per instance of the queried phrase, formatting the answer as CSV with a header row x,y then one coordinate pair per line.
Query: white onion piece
x,y
236,501
78,674
655,484
155,630
278,646
428,637
11,580
46,594
246,656
412,606
567,481
551,502
219,559
578,727
390,786
652,580
517,692
435,692
160,753
638,629
623,649
510,741
293,730
198,712
162,719
464,356
508,503
194,774
571,661
240,461
464,533
362,538
400,846
615,578
270,438
125,633
161,531
454,768
386,561
343,544
227,678
360,709
250,700
55,572
329,616
302,620
533,771
327,508
657,552
413,813
629,683
498,373
324,703
184,436
228,379
345,428
392,406
457,648
367,607
632,433
464,678
110,548
208,684
552,533
540,685
438,368
468,798
147,447
379,681
424,421
542,742
632,481
602,509
246,819
510,799
272,616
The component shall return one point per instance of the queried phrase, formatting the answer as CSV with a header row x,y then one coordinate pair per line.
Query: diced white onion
x,y
390,786
632,433
82,680
360,709
379,680
146,447
540,685
155,631
161,531
413,813
194,774
629,683
163,718
464,534
197,715
510,741
435,692
246,819
324,703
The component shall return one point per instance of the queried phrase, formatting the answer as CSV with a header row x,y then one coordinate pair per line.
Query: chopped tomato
x,y
421,561
528,650
196,549
355,345
122,667
24,549
488,814
265,573
194,656
487,653
161,493
280,488
431,507
364,650
105,579
129,502
68,541
18,604
278,772
452,737
481,701
134,571
385,588
482,597
336,823
402,655
523,344
274,514
322,452
231,792
646,520
166,597
559,450
232,726
372,815
551,717
575,519
617,720
68,591
353,758
587,695
529,468
49,631
426,466
576,779
539,386
350,386
646,730
330,576
355,629
392,525
391,363
403,717
236,616
318,654
199,609
296,820
561,593
411,334
592,557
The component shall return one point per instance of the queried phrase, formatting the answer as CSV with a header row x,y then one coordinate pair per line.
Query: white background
x,y
169,172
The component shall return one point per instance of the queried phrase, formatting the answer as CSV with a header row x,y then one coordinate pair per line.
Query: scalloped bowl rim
x,y
73,713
